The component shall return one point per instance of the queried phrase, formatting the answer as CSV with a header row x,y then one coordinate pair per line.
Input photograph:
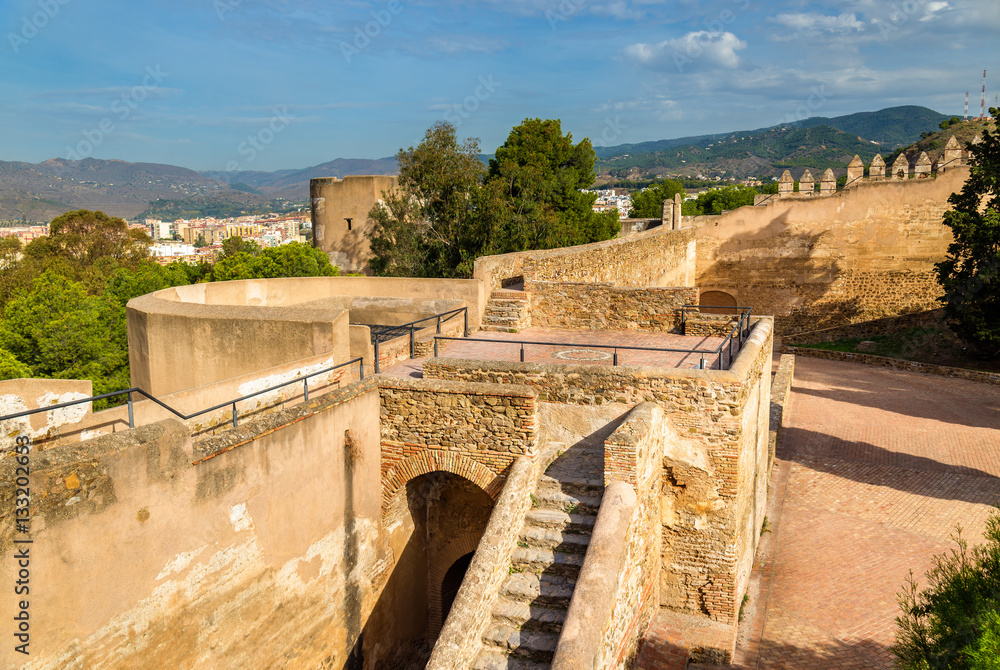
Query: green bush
x,y
954,623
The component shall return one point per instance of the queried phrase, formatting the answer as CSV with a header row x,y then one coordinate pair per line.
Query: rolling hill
x,y
816,143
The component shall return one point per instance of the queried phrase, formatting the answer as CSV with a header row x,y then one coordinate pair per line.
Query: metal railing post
x,y
361,370
413,345
466,311
439,324
614,361
435,347
376,356
236,416
522,353
305,388
131,415
702,365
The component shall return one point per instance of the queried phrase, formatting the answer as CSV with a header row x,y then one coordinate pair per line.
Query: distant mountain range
x,y
816,143
39,192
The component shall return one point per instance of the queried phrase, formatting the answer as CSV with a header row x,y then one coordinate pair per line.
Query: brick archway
x,y
396,477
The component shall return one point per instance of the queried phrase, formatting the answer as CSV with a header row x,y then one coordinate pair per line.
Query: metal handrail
x,y
737,332
377,338
131,417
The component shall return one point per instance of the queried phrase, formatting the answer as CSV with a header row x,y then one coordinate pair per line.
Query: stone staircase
x,y
553,541
507,312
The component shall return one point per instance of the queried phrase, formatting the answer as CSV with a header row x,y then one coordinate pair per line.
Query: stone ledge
x,y
895,363
434,385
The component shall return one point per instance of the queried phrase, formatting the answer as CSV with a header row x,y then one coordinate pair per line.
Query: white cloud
x,y
699,50
932,10
811,23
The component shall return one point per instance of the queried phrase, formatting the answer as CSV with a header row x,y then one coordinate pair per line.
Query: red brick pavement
x,y
875,468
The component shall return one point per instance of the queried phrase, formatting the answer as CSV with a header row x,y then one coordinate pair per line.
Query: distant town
x,y
200,240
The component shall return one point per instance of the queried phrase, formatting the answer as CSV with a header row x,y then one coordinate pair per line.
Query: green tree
x,y
422,228
648,203
954,624
85,236
288,260
719,200
970,273
543,172
60,332
236,244
11,368
200,242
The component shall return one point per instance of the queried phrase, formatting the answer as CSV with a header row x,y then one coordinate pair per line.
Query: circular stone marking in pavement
x,y
582,355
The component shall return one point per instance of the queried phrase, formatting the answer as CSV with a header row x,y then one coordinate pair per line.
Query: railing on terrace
x,y
304,380
723,354
382,333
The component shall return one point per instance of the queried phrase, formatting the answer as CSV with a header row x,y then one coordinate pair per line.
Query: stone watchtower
x,y
828,183
901,167
952,154
807,184
786,185
876,172
855,172
922,169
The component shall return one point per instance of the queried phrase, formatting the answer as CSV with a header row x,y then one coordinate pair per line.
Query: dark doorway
x,y
452,582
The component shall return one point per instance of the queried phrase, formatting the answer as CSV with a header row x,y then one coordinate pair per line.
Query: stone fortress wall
x,y
314,533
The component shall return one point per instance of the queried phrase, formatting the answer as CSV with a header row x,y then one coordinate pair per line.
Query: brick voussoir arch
x,y
438,461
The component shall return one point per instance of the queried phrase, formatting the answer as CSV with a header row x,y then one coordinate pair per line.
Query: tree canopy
x,y
449,209
648,203
63,297
970,274
719,200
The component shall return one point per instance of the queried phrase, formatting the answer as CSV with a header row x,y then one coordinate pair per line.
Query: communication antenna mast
x,y
966,106
982,104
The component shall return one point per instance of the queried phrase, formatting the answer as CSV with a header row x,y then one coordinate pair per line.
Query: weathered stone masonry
x,y
472,430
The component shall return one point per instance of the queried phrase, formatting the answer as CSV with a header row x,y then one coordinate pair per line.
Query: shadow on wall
x,y
353,244
440,511
794,281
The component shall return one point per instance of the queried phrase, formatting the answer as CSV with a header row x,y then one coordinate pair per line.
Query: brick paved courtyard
x,y
584,347
875,468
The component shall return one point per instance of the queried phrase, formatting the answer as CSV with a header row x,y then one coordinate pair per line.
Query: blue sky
x,y
275,84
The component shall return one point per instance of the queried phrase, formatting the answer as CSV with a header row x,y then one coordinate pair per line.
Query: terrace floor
x,y
588,347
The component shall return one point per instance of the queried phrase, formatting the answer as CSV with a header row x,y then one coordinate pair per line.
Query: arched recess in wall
x,y
394,481
717,299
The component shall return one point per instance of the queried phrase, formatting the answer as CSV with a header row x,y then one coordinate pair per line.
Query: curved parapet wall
x,y
188,336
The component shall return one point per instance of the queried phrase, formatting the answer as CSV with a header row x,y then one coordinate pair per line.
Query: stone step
x,y
496,659
490,328
537,560
508,295
586,484
543,589
497,320
520,614
549,498
529,643
491,314
550,538
560,520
